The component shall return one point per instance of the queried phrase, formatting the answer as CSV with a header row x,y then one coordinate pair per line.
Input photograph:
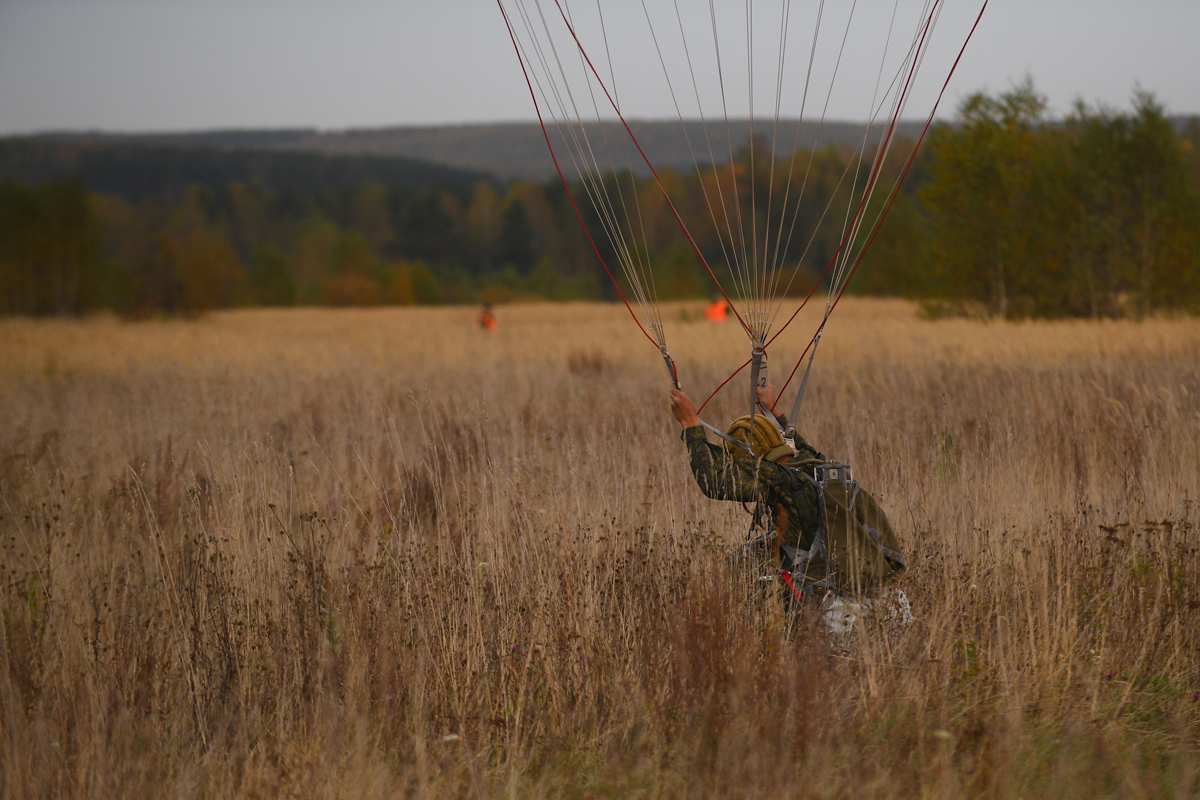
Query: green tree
x,y
682,273
515,246
425,285
371,215
483,226
50,249
1162,203
272,278
355,273
982,197
1134,218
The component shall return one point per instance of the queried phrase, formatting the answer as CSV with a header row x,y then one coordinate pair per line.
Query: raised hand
x,y
684,409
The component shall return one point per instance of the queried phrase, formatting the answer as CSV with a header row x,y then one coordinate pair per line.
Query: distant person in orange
x,y
717,310
487,319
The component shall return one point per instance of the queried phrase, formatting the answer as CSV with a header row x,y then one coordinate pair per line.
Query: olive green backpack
x,y
854,547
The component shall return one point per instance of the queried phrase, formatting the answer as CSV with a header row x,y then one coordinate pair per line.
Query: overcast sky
x,y
172,65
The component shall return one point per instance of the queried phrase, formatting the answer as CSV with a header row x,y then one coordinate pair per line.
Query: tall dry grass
x,y
366,554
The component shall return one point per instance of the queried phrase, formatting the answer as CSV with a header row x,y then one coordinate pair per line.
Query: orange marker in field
x,y
717,310
487,319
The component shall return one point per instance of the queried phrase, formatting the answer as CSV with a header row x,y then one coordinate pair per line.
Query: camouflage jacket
x,y
792,502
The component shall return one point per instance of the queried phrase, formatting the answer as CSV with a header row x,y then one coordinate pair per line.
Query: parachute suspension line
x,y
633,188
781,252
785,18
859,209
758,297
790,433
902,102
758,334
829,204
777,260
883,148
730,258
824,111
730,254
860,152
764,322
633,260
654,172
878,224
912,157
896,191
643,255
558,169
725,382
737,205
656,325
917,58
754,265
758,277
630,258
598,194
636,268
811,239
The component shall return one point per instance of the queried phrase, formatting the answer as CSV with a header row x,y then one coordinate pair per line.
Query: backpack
x,y
854,548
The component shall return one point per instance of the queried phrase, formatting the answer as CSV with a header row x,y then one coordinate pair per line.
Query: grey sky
x,y
144,65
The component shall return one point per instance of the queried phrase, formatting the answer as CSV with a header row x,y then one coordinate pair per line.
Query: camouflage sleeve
x,y
805,451
720,476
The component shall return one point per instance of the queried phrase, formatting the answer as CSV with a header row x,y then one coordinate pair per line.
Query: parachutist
x,y
832,538
717,310
487,318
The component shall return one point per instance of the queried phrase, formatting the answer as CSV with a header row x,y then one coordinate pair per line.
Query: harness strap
x,y
888,553
794,417
794,554
767,413
729,439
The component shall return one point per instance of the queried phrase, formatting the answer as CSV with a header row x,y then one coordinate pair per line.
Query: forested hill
x,y
137,168
1005,212
507,151
407,155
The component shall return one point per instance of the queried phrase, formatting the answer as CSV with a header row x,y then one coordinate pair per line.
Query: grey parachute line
x,y
673,374
727,437
794,417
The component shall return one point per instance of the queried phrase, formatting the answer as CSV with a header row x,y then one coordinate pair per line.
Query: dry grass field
x,y
382,553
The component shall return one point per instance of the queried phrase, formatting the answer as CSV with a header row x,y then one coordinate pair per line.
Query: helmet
x,y
767,442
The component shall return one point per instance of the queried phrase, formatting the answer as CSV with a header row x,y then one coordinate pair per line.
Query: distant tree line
x,y
1004,213
1097,216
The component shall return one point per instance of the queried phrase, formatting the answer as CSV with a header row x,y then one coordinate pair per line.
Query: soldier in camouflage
x,y
854,552
761,478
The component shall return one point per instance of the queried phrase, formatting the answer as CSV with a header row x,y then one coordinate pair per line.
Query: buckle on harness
x,y
832,470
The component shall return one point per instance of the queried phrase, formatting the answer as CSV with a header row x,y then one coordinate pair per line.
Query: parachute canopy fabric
x,y
716,63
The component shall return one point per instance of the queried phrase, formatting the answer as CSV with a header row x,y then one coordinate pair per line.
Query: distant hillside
x,y
399,156
136,167
518,150
508,150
